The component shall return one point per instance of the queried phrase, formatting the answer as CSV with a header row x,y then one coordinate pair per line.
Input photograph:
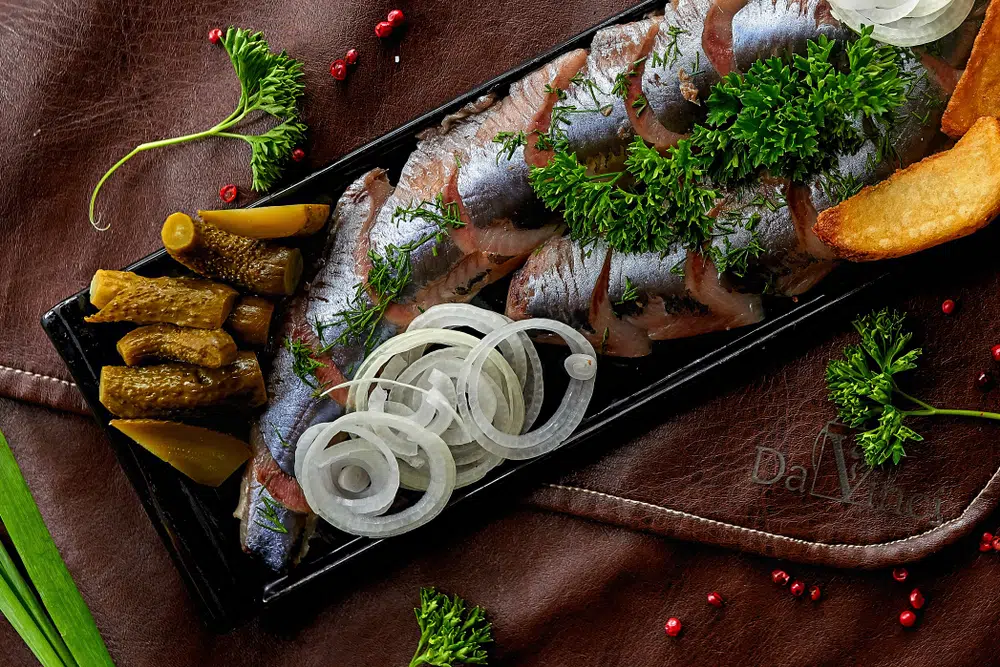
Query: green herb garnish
x,y
304,362
863,387
450,634
268,510
54,622
786,118
630,293
838,186
270,85
388,276
509,143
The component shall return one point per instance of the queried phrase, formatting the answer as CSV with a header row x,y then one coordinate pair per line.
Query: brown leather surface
x,y
569,577
778,476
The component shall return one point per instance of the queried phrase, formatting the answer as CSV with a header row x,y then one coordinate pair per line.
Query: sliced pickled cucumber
x,y
127,297
166,389
270,222
206,456
211,348
260,267
250,321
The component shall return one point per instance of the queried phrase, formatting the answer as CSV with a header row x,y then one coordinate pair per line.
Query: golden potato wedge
x,y
270,222
944,197
978,91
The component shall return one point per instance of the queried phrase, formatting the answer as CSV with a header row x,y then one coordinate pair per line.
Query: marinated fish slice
x,y
775,28
492,184
558,281
535,152
642,117
678,76
268,529
567,282
294,405
678,295
772,222
598,127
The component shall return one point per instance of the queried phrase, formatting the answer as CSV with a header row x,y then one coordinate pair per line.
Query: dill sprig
x,y
270,85
863,386
629,295
509,143
304,362
268,510
672,52
839,186
388,276
450,634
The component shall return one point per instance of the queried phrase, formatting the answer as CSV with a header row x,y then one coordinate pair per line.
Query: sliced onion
x,y
514,349
328,500
435,409
928,7
911,29
555,431
890,14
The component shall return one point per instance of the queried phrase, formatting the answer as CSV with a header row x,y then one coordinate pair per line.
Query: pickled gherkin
x,y
155,391
127,297
260,267
250,320
211,348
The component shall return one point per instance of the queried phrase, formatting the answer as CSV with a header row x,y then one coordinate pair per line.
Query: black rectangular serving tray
x,y
196,522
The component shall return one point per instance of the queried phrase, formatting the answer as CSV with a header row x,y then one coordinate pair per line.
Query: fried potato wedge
x,y
944,197
978,91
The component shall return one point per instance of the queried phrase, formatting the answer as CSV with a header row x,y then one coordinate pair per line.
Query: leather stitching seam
x,y
754,531
18,371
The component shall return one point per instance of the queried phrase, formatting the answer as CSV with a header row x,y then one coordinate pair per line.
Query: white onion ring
x,y
514,350
328,505
548,436
945,21
890,14
433,410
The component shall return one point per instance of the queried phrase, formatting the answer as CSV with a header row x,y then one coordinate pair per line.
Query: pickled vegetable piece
x,y
270,222
211,348
260,267
250,321
155,391
127,297
206,456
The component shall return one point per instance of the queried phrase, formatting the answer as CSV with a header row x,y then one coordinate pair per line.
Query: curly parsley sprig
x,y
270,84
786,118
863,387
450,634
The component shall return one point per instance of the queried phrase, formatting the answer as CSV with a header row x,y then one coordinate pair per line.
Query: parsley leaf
x,y
450,634
863,387
784,117
271,85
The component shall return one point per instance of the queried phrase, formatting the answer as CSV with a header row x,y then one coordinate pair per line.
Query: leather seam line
x,y
754,531
18,371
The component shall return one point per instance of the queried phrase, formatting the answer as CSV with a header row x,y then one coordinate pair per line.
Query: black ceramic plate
x,y
196,522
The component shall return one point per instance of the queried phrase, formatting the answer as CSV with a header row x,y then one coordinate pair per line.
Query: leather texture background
x,y
582,570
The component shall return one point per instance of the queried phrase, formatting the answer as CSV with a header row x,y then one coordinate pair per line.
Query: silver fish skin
x,y
768,28
493,186
558,281
294,405
268,530
597,138
680,57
